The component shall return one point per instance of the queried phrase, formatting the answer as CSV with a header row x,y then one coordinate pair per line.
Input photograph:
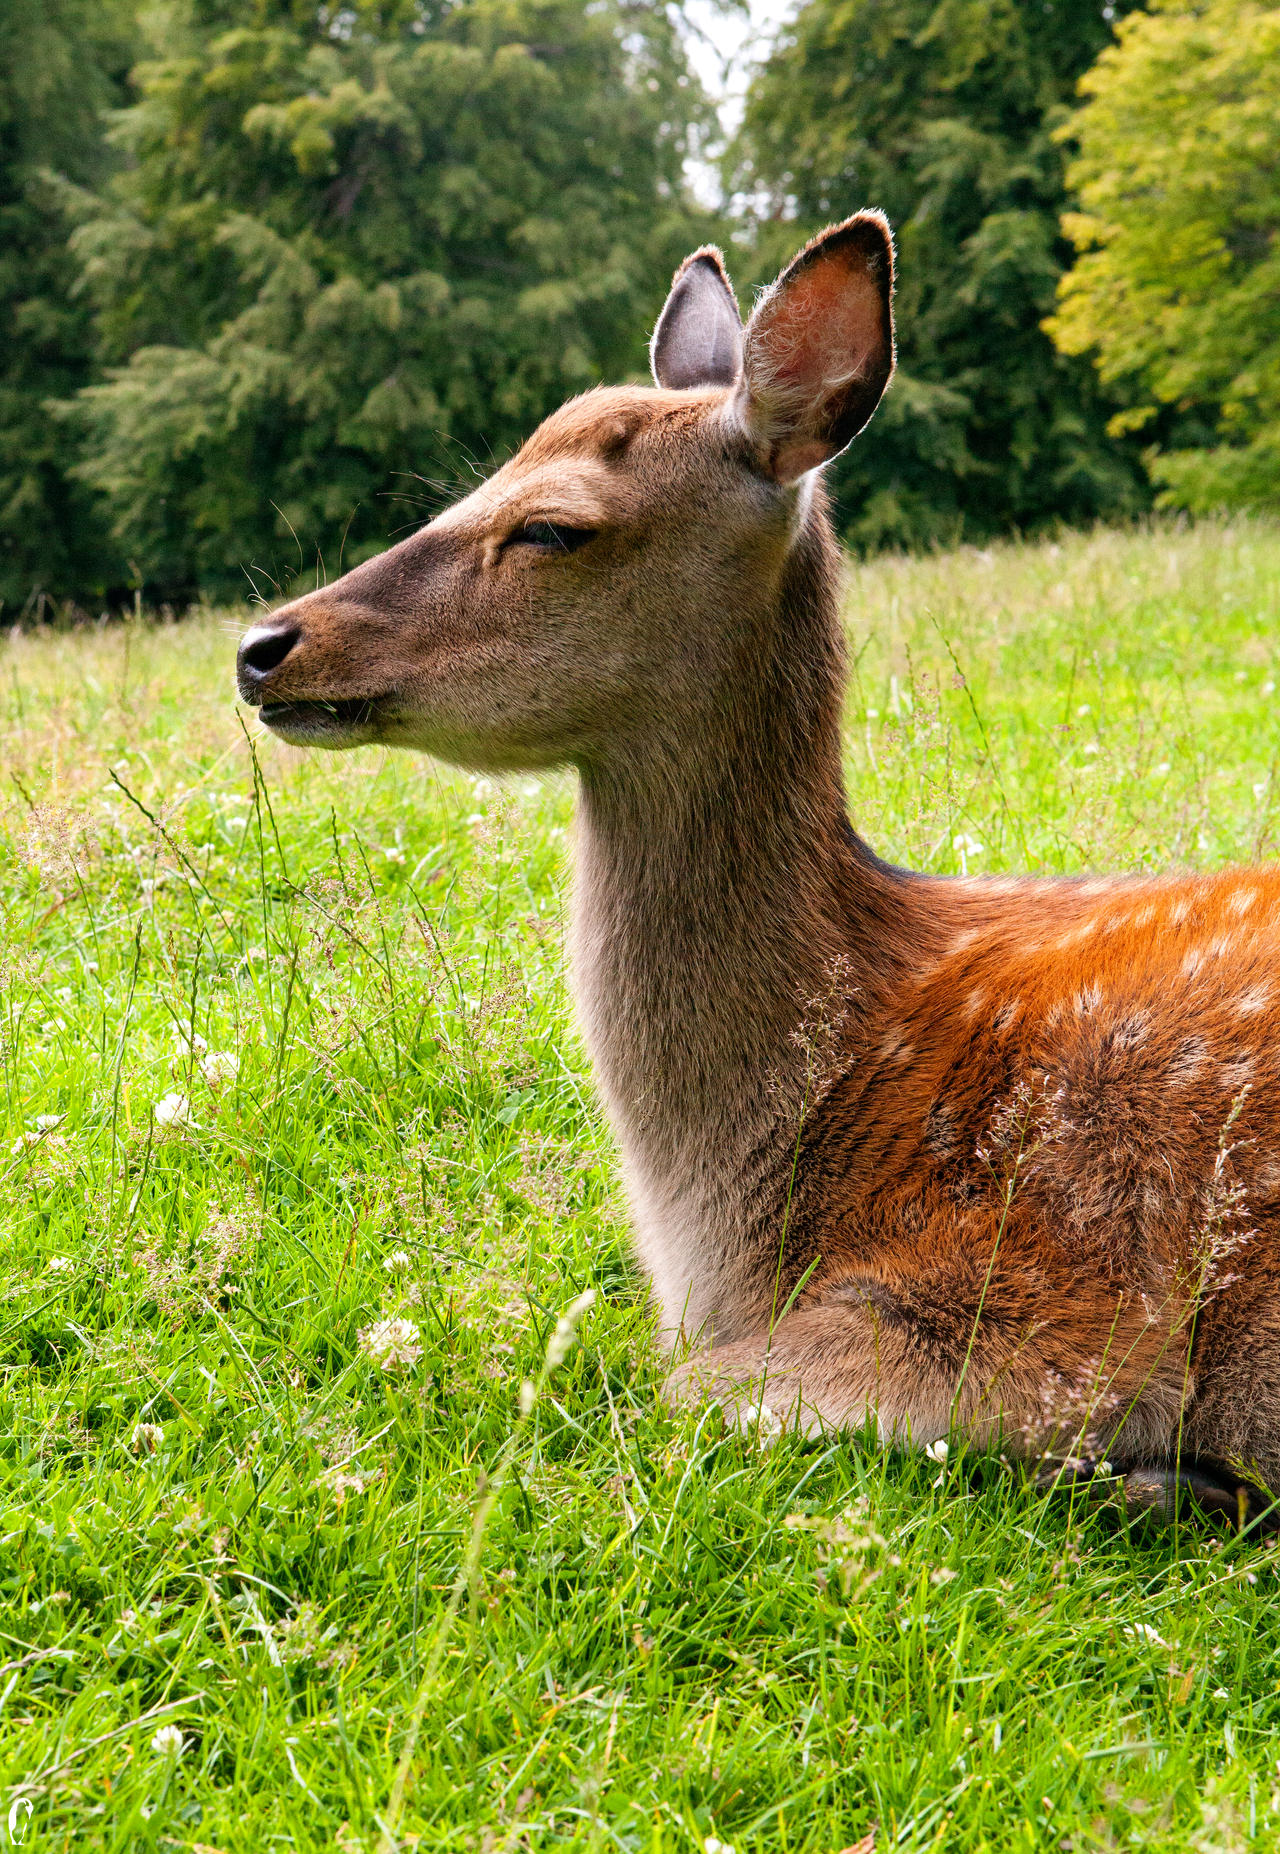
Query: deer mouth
x,y
322,723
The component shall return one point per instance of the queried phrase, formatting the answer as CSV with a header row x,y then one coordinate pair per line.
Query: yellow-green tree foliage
x,y
1176,285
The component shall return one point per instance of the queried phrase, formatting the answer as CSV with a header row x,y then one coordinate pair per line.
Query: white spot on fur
x,y
1243,900
1144,916
975,1001
1192,962
894,1049
1087,1000
1094,887
1219,948
1189,1060
1233,1076
1179,912
1132,1031
1253,1001
1006,1014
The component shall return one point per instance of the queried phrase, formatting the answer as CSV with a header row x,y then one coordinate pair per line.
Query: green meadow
x,y
324,1523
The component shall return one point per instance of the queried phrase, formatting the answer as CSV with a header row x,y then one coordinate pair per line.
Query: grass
x,y
219,1515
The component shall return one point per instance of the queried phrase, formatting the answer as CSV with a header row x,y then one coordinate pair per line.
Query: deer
x,y
919,1155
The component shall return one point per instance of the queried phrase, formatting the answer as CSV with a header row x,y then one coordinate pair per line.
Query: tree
x,y
942,112
354,243
1176,288
64,63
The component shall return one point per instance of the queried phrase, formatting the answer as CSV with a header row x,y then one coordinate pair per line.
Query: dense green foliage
x,y
942,112
63,64
351,246
217,1513
1177,285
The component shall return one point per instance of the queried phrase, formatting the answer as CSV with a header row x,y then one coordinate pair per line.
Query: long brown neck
x,y
719,893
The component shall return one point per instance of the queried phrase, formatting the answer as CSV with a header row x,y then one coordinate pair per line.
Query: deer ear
x,y
818,352
698,340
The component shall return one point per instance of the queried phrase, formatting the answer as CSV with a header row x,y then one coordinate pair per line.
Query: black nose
x,y
263,650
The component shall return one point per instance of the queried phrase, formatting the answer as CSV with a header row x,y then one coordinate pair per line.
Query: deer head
x,y
599,584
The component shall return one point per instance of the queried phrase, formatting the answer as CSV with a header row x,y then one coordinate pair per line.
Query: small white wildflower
x,y
1260,790
1084,709
763,1426
943,1575
1089,747
562,1338
1158,772
189,1040
47,1123
219,1066
393,853
937,1451
1221,1693
528,1396
713,1845
60,1264
391,1345
173,1110
169,1742
1143,1632
966,846
146,1438
398,1262
1268,688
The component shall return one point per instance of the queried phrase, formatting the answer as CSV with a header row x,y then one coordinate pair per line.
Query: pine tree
x,y
943,112
64,63
356,246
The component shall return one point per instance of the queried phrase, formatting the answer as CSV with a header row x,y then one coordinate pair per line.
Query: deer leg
x,y
858,1356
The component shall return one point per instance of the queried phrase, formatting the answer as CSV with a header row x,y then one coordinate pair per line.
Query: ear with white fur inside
x,y
818,352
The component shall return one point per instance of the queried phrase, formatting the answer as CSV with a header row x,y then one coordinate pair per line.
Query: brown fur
x,y
1000,1153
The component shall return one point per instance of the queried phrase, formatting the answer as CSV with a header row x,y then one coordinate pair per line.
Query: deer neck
x,y
721,899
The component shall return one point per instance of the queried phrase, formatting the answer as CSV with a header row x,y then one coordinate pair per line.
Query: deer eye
x,y
554,536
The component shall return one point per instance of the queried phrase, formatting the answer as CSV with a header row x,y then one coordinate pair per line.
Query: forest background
x,y
277,277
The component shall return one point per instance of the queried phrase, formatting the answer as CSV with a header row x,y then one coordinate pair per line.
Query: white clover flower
x,y
393,853
1143,1631
146,1438
48,1123
169,1742
398,1262
173,1110
391,1345
966,846
763,1426
714,1845
59,1264
219,1066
